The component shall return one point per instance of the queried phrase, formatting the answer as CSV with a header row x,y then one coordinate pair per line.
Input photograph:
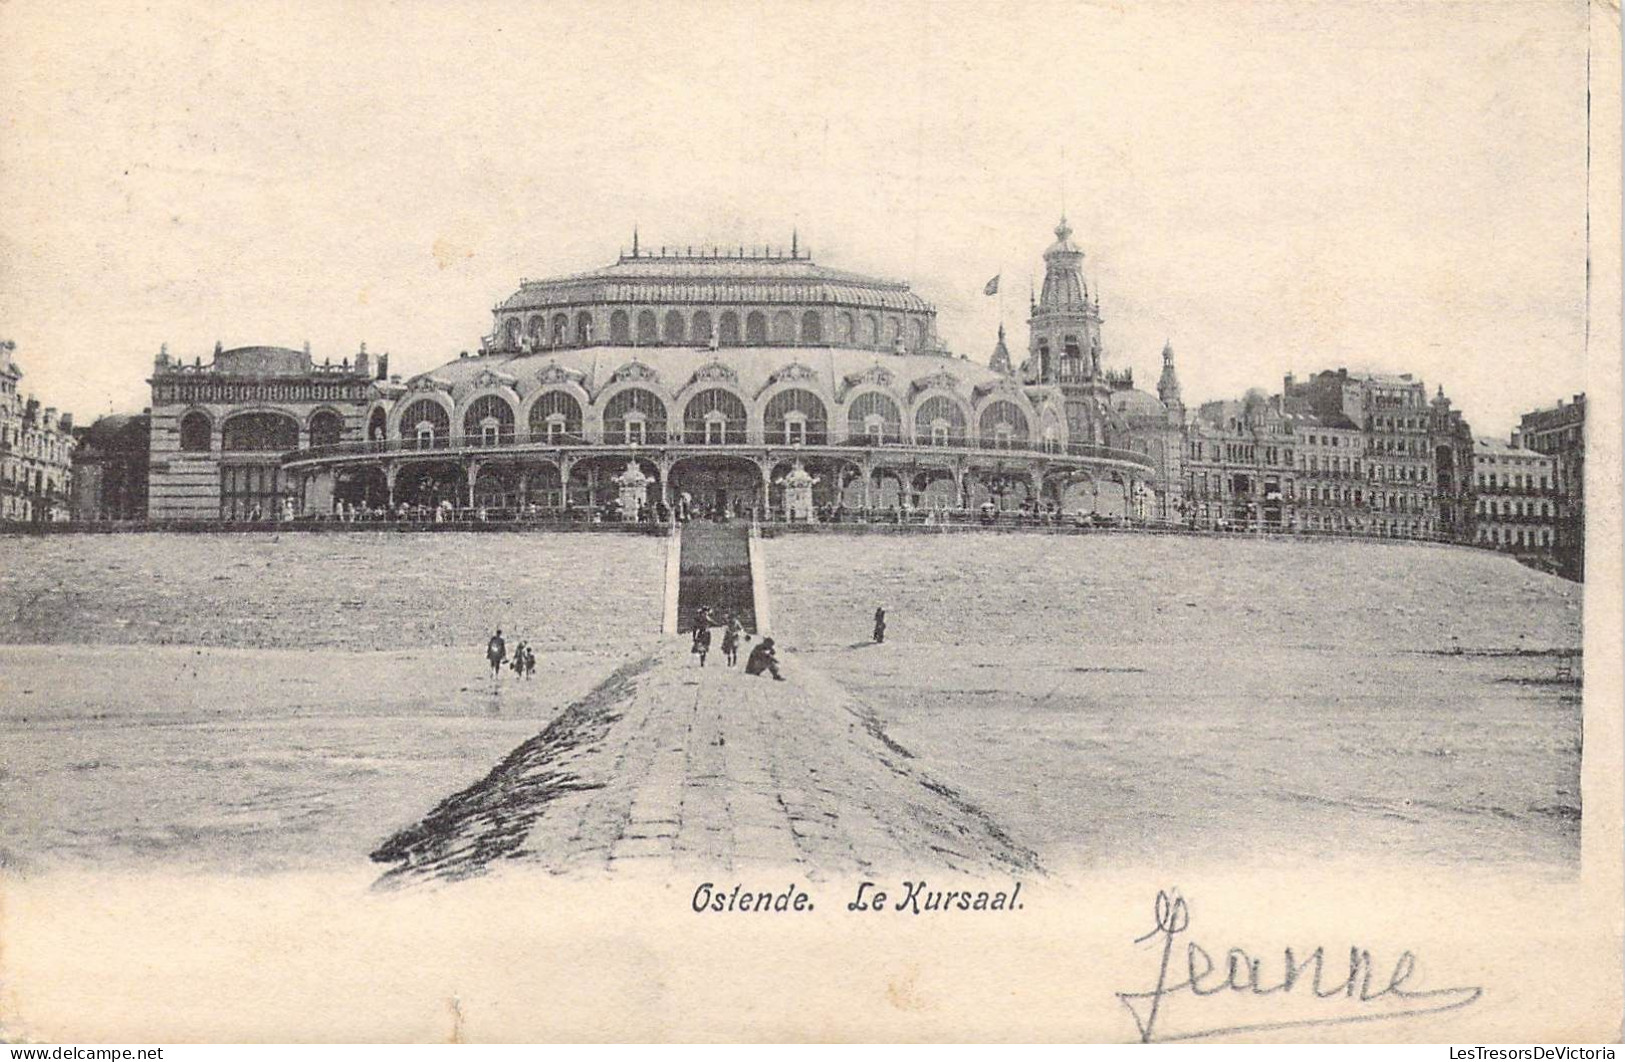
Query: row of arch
x,y
730,328
713,415
510,485
258,430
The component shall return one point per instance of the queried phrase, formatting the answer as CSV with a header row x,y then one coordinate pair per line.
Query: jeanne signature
x,y
1302,984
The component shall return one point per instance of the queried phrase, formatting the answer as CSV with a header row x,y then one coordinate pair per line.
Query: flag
x,y
992,287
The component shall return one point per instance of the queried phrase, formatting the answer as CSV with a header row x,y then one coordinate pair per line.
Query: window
x,y
756,328
715,416
939,411
1003,425
802,407
489,412
196,431
251,492
784,328
554,415
728,329
259,432
874,408
635,404
326,428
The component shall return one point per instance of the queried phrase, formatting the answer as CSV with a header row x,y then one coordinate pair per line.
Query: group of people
x,y
523,661
763,658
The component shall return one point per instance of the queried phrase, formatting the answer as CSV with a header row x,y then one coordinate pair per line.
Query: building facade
x,y
717,374
1400,493
219,430
36,452
1517,496
1238,466
1330,492
1559,432
110,467
1454,483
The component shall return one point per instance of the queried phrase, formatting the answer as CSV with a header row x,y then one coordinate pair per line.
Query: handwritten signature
x,y
1360,996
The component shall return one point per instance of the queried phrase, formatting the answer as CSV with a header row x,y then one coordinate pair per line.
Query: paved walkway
x,y
667,766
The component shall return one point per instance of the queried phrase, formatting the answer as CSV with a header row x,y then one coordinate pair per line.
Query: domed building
x,y
717,372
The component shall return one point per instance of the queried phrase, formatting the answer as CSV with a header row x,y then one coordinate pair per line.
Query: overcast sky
x,y
1274,187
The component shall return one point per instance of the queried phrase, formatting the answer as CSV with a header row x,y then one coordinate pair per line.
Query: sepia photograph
x,y
541,522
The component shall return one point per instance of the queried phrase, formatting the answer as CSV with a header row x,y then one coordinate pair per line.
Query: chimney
x,y
1517,438
383,366
67,423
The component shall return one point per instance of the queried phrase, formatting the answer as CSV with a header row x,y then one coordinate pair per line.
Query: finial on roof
x,y
1063,230
634,240
794,242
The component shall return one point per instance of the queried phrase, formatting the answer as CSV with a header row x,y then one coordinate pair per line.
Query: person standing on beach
x,y
730,642
530,662
496,651
702,642
880,624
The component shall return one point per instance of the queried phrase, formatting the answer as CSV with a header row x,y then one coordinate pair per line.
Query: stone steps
x,y
715,572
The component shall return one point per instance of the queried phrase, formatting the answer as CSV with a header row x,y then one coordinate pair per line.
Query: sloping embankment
x,y
666,765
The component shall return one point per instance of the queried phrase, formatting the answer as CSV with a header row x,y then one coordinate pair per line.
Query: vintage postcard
x,y
828,521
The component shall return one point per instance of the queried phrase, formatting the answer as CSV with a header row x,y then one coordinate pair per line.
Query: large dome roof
x,y
262,361
716,279
1135,403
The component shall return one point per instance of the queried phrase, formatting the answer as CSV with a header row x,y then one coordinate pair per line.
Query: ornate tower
x,y
1064,328
1168,385
1000,362
1063,344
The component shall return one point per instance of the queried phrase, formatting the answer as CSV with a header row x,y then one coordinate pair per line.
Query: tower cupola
x,y
1168,384
1064,327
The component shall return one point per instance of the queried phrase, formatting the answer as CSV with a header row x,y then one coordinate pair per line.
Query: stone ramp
x,y
669,767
